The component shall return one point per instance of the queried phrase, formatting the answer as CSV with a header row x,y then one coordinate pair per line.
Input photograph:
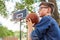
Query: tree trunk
x,y
55,14
42,0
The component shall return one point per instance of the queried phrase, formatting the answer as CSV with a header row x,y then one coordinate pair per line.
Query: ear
x,y
49,10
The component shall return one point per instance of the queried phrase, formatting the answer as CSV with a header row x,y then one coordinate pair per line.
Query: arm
x,y
29,32
42,26
29,24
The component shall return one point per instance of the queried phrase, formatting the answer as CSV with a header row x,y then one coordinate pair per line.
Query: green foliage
x,y
5,32
19,6
29,2
26,4
2,8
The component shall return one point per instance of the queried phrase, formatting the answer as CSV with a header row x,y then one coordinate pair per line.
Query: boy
x,y
47,28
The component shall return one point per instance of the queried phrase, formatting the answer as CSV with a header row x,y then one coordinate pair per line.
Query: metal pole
x,y
20,30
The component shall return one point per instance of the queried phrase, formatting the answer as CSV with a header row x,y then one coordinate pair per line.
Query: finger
x,y
27,20
30,20
33,24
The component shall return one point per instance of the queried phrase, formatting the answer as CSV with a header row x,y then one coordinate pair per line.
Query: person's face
x,y
43,10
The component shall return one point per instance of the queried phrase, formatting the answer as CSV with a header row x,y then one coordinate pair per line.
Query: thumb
x,y
33,24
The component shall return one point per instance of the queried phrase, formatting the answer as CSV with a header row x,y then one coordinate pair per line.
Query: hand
x,y
29,23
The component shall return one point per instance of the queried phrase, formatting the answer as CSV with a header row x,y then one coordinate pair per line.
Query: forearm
x,y
29,32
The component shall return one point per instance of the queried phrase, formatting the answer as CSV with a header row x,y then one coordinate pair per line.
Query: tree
x,y
2,8
25,4
19,6
55,14
42,0
5,32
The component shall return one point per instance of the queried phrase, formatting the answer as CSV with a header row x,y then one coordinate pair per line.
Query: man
x,y
47,28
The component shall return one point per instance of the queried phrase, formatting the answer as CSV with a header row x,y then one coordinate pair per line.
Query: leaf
x,y
2,8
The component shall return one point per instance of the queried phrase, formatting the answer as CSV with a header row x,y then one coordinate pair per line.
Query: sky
x,y
10,5
10,25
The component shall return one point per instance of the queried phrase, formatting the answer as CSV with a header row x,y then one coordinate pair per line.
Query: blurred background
x,y
10,29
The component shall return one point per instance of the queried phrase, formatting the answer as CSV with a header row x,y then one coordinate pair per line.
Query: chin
x,y
40,16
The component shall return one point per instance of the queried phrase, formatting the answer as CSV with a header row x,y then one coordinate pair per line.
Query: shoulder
x,y
45,18
48,18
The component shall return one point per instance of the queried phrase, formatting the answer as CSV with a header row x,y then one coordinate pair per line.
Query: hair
x,y
48,4
34,17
